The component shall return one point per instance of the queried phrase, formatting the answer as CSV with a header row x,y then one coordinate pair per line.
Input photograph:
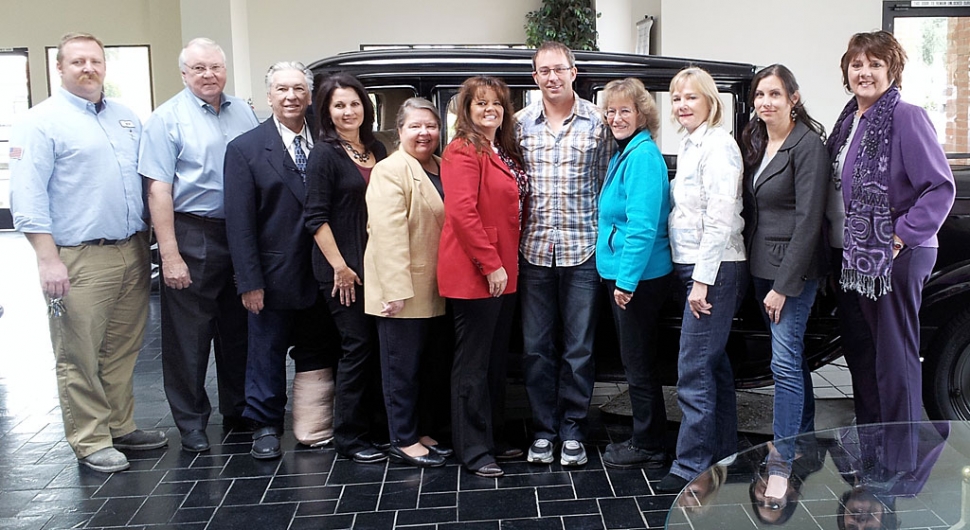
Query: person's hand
x,y
497,282
253,301
896,241
622,298
175,273
774,302
392,308
697,300
344,279
54,280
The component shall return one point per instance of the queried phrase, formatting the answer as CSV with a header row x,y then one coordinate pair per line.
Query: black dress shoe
x,y
443,452
266,444
195,441
369,455
432,459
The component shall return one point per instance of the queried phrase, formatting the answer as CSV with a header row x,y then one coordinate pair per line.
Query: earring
x,y
793,114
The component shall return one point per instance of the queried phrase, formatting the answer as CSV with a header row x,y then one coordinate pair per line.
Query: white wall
x,y
307,30
807,37
39,24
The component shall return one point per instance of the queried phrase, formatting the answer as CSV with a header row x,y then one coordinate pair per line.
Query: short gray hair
x,y
289,65
200,42
416,103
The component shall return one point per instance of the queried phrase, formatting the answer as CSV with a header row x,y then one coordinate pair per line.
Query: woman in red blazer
x,y
485,190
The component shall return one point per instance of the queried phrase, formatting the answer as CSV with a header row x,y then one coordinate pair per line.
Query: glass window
x,y
127,78
14,102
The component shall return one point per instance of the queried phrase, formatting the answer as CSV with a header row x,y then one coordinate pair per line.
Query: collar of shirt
x,y
80,102
578,110
288,135
223,102
696,138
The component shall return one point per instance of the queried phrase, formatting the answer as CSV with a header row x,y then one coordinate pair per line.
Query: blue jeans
x,y
559,310
794,397
705,379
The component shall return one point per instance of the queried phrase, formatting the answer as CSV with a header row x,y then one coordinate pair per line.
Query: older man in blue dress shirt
x,y
181,155
77,196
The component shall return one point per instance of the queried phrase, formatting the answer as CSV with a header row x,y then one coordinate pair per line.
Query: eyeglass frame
x,y
559,70
201,69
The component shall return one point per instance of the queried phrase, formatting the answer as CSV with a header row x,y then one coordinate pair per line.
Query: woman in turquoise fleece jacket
x,y
633,257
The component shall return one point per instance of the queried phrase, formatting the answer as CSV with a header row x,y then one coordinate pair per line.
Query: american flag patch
x,y
16,153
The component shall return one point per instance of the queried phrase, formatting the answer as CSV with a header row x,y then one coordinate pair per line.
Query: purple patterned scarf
x,y
867,259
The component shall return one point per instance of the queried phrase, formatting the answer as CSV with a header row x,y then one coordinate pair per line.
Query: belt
x,y
200,218
104,242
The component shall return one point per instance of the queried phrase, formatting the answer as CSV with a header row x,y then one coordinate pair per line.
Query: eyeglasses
x,y
560,70
623,113
201,69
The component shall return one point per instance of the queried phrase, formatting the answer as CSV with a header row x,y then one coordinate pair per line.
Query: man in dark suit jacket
x,y
264,181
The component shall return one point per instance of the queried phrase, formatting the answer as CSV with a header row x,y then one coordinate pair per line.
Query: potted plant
x,y
571,22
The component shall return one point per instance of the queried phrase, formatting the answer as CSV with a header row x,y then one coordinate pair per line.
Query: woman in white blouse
x,y
708,253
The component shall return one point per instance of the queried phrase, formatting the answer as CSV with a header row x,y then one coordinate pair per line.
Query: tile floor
x,y
42,486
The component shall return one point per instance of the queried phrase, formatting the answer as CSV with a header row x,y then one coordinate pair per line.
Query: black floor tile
x,y
437,500
205,492
130,484
399,496
11,502
442,479
591,484
117,512
359,498
427,515
496,504
24,523
66,520
246,491
621,513
328,507
349,472
583,522
192,515
479,525
628,482
327,522
263,517
245,466
569,507
531,524
375,521
157,509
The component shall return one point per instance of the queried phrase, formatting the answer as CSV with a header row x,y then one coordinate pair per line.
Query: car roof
x,y
453,65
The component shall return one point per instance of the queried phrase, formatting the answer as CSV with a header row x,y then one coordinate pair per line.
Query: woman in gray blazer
x,y
786,172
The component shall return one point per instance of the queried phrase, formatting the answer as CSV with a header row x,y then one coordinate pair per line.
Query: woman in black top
x,y
338,170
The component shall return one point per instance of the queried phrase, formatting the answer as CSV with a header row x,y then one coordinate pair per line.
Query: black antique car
x,y
391,76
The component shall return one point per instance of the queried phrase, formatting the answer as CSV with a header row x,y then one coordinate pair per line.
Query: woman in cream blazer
x,y
405,214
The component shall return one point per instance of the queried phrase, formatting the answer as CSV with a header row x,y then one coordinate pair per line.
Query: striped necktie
x,y
299,156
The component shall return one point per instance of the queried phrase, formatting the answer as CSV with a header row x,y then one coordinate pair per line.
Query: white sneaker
x,y
540,452
573,453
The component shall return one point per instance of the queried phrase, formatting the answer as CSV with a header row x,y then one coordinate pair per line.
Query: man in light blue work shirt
x,y
182,152
77,197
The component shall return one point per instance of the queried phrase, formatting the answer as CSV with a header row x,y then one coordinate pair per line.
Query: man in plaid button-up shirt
x,y
566,145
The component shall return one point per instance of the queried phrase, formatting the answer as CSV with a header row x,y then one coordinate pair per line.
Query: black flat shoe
x,y
508,453
195,441
671,484
490,471
443,452
266,444
370,455
431,459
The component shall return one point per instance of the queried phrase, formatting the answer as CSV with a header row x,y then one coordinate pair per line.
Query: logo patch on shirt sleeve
x,y
16,153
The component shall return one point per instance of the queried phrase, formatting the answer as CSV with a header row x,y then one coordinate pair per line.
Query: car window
x,y
387,101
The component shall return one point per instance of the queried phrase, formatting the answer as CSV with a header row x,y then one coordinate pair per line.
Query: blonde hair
x,y
703,83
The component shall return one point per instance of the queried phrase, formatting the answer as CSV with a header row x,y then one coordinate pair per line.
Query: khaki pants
x,y
96,341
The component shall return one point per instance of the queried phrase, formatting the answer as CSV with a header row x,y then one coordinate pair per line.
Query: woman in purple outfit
x,y
891,191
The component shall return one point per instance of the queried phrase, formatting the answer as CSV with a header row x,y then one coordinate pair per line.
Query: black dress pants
x,y
482,329
205,316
